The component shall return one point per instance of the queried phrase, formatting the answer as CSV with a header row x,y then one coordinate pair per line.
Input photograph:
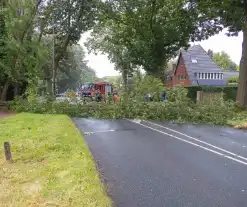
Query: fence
x,y
204,97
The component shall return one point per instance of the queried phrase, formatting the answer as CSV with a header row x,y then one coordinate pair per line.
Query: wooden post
x,y
7,151
199,95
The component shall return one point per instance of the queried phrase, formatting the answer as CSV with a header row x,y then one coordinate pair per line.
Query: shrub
x,y
233,79
177,95
230,92
214,112
148,84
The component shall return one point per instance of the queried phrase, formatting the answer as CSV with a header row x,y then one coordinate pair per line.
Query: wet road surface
x,y
163,164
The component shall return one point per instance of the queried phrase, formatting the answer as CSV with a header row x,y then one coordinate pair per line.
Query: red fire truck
x,y
89,90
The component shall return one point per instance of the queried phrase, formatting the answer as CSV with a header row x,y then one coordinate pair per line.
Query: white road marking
x,y
198,140
192,143
89,133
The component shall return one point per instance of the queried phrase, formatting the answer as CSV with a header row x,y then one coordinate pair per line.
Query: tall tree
x,y
231,14
75,70
223,60
3,36
142,33
147,33
23,55
67,19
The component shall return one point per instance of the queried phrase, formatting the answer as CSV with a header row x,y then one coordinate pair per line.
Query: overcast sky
x,y
218,43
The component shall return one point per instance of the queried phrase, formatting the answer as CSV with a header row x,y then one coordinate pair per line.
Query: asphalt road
x,y
162,164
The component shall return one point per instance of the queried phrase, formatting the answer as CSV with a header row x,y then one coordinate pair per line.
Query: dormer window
x,y
217,76
193,60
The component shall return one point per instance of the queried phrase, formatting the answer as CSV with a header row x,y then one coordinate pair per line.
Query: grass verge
x,y
239,120
52,165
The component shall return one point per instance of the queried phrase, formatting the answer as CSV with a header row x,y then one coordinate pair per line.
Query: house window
x,y
212,76
181,77
202,75
199,75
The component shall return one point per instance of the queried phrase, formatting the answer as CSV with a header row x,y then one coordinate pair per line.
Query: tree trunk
x,y
49,86
125,78
54,78
4,91
16,90
242,87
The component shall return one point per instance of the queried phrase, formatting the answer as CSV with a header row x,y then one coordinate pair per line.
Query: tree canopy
x,y
75,70
223,60
146,34
35,37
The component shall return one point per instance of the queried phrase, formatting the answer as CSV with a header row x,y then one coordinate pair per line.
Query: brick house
x,y
195,67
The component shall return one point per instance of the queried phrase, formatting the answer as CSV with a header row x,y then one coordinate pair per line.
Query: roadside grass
x,y
51,164
239,120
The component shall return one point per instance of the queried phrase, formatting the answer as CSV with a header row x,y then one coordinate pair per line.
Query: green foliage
x,y
233,79
230,92
178,109
24,55
229,14
73,70
148,84
214,112
177,94
224,61
147,34
26,33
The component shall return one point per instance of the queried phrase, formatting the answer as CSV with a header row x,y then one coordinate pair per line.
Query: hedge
x,y
230,92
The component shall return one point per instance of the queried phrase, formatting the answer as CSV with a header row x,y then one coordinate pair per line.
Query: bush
x,y
230,92
148,84
233,79
214,112
177,95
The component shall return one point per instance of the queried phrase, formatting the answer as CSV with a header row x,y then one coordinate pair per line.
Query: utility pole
x,y
53,59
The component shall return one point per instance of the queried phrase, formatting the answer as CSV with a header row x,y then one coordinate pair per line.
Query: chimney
x,y
210,53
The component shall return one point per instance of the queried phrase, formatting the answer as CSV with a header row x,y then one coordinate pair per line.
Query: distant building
x,y
195,67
